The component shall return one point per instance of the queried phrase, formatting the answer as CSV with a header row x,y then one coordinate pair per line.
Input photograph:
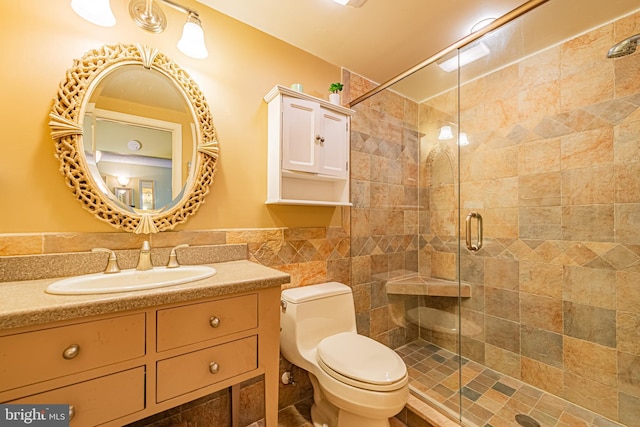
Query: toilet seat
x,y
361,362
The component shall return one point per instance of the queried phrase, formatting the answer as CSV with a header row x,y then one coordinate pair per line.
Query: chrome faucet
x,y
112,264
144,261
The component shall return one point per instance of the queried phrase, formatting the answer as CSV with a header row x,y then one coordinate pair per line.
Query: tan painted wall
x,y
40,39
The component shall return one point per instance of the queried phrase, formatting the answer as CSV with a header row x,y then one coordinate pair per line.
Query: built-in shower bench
x,y
412,283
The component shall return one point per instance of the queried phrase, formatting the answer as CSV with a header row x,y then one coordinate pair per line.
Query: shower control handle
x,y
474,247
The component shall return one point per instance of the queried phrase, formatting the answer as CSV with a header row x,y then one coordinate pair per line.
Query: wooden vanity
x,y
118,358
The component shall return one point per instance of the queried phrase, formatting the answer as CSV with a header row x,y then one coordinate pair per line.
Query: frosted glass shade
x,y
95,11
192,41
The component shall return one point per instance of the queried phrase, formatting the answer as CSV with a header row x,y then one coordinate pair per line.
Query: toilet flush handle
x,y
283,306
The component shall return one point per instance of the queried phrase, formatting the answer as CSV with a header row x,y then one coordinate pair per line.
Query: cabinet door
x,y
335,144
299,130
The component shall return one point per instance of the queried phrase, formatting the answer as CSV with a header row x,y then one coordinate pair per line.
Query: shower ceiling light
x,y
148,16
351,3
467,56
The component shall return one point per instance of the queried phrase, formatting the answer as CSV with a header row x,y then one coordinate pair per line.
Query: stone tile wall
x,y
386,208
553,167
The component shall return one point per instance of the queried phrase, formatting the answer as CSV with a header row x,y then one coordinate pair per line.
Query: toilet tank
x,y
313,313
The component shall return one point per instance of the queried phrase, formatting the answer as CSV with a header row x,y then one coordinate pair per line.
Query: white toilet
x,y
357,382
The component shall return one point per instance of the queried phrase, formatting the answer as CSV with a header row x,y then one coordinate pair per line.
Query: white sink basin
x,y
130,280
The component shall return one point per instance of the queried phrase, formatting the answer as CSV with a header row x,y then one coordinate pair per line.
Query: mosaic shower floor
x,y
489,399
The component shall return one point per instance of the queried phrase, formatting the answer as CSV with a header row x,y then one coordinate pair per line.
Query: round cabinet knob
x,y
214,368
214,322
72,412
71,351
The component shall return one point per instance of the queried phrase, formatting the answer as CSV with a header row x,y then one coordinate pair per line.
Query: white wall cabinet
x,y
308,158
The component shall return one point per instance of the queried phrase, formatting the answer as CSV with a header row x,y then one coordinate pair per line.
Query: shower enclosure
x,y
496,218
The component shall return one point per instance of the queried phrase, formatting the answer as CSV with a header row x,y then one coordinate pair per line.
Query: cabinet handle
x,y
71,351
320,139
214,368
214,322
72,412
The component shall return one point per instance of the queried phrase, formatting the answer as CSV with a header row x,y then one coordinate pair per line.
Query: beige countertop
x,y
26,303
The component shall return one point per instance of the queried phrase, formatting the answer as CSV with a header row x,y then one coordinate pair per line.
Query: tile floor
x,y
489,399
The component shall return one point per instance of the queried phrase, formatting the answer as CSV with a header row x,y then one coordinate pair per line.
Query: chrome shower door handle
x,y
474,247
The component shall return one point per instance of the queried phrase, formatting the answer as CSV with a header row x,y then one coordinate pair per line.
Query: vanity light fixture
x,y
351,3
148,15
95,11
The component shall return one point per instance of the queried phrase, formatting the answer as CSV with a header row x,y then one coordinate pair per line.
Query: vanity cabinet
x,y
116,369
308,150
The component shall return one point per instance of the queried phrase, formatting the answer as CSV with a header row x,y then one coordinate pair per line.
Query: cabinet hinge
x,y
347,166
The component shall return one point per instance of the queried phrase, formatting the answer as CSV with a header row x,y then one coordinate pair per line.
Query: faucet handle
x,y
112,264
173,256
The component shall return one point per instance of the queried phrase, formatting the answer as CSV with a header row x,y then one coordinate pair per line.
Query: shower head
x,y
624,48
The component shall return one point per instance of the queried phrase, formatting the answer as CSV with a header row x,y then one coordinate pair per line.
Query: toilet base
x,y
326,414
344,419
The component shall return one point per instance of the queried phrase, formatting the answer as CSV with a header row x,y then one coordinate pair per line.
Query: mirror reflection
x,y
139,138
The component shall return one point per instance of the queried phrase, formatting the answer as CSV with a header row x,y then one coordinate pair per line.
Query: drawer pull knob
x,y
214,367
214,322
72,412
71,351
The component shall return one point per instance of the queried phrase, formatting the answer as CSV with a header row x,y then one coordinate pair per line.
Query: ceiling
x,y
379,40
384,38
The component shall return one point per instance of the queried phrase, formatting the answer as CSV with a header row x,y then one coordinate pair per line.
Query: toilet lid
x,y
362,359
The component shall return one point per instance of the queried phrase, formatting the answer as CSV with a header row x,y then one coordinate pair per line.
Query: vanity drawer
x,y
100,400
192,371
194,323
31,357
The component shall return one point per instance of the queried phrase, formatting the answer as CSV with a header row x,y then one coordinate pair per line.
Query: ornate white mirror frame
x,y
66,123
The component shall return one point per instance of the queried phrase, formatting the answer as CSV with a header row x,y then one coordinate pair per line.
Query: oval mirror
x,y
135,138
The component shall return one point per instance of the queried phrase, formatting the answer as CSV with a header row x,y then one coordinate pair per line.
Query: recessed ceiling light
x,y
467,56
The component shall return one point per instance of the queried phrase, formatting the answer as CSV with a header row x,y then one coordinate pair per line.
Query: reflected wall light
x,y
446,132
351,3
123,180
149,16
